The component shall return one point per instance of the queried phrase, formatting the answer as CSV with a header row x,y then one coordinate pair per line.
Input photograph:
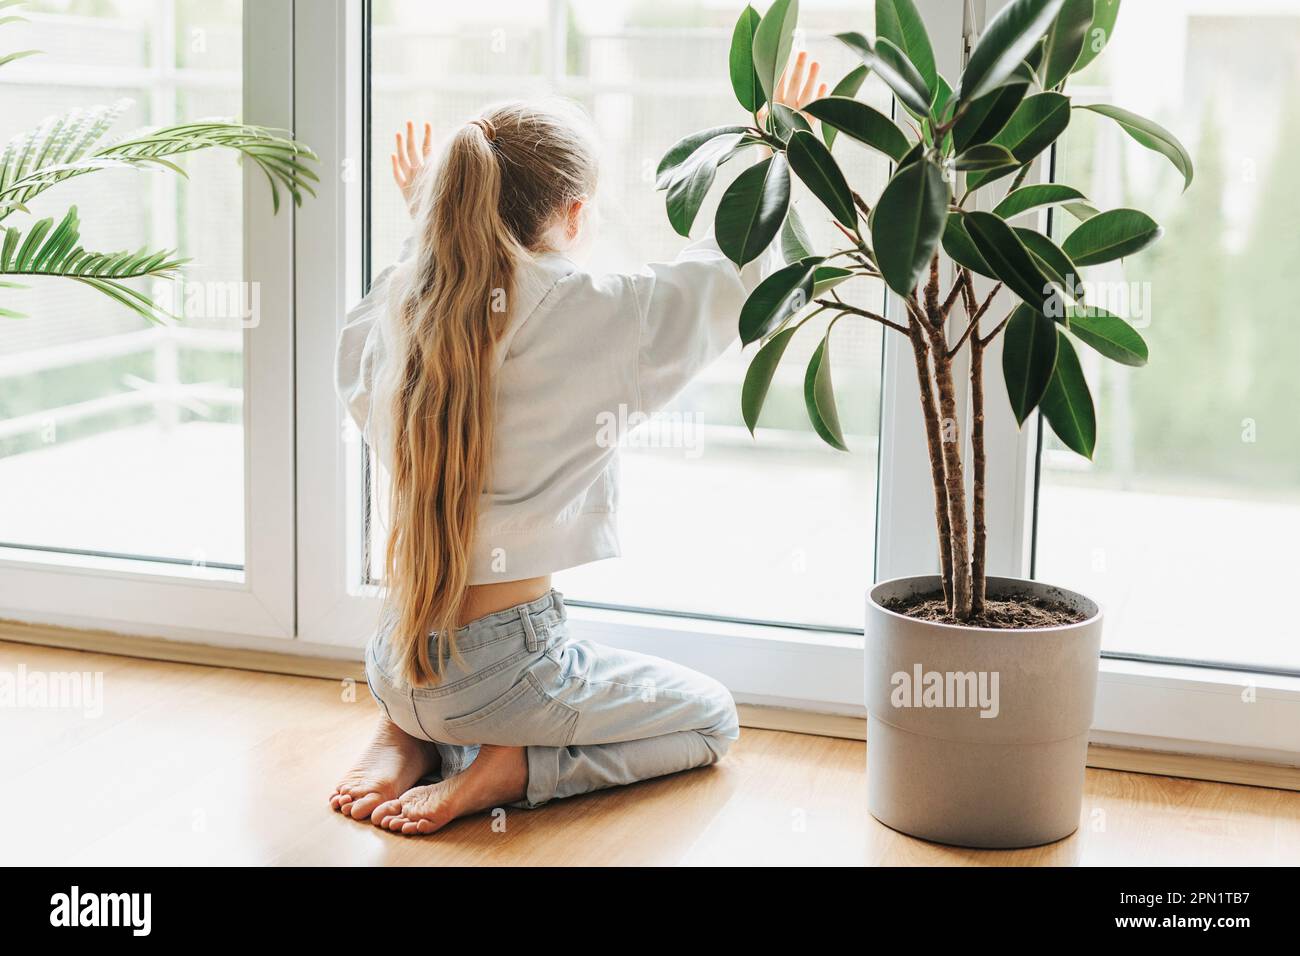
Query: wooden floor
x,y
200,765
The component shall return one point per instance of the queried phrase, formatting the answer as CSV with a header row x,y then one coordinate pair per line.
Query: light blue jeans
x,y
591,716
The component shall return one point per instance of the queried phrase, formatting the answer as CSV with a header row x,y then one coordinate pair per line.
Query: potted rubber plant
x,y
979,689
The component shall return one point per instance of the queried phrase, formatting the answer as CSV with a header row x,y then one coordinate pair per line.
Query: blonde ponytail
x,y
501,183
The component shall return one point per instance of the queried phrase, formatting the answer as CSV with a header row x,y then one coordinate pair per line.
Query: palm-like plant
x,y
65,147
1007,108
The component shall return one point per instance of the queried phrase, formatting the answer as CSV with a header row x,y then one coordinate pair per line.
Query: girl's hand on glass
x,y
409,160
798,86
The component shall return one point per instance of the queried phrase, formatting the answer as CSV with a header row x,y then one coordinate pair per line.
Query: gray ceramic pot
x,y
978,737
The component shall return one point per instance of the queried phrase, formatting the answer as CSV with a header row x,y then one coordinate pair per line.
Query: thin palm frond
x,y
64,147
54,251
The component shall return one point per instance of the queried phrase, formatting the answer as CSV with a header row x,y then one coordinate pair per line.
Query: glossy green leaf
x,y
893,67
908,222
1067,402
758,378
1111,235
861,122
1012,263
684,148
1099,32
1065,41
985,156
744,78
785,122
1109,335
1151,135
826,278
795,242
813,164
986,116
1082,211
961,249
1052,262
752,209
779,296
819,397
772,42
1022,200
1007,40
847,88
1037,123
693,179
1029,345
899,22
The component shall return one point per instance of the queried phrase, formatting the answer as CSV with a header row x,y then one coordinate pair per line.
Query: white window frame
x,y
305,579
203,603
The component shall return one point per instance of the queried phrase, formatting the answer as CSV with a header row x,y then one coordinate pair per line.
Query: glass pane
x,y
1182,525
118,436
797,518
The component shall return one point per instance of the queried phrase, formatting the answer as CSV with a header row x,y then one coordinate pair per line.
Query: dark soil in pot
x,y
1010,612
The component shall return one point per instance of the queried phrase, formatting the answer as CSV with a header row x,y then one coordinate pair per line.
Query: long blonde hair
x,y
496,192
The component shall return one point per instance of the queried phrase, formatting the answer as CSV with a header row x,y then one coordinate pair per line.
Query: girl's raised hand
x,y
798,85
408,161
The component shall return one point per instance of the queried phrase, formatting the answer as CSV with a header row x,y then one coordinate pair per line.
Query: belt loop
x,y
530,635
557,602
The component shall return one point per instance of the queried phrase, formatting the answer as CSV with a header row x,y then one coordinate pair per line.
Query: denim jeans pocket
x,y
525,715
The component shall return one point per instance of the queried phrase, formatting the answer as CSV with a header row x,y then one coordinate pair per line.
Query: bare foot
x,y
391,763
499,775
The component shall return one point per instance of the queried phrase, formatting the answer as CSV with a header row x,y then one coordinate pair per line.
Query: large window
x,y
118,437
712,520
1183,525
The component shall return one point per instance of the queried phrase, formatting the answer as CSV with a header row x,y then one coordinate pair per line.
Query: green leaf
x,y
693,180
826,278
752,209
1098,33
785,122
862,122
1012,263
744,78
782,294
772,42
1065,41
986,116
1022,200
684,149
893,67
957,243
846,88
1109,335
758,379
813,164
1081,211
1028,356
908,222
899,22
819,396
795,243
1111,235
1037,123
1067,402
1007,40
985,156
1151,135
10,57
1052,262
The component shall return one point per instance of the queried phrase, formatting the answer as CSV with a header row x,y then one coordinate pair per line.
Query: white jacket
x,y
579,352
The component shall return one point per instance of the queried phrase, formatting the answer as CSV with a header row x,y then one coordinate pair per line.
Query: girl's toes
x,y
385,812
361,809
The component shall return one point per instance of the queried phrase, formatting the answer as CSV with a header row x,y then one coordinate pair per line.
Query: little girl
x,y
480,368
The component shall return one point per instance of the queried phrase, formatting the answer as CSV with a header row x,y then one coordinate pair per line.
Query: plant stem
x,y
976,315
845,307
954,477
979,584
934,443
